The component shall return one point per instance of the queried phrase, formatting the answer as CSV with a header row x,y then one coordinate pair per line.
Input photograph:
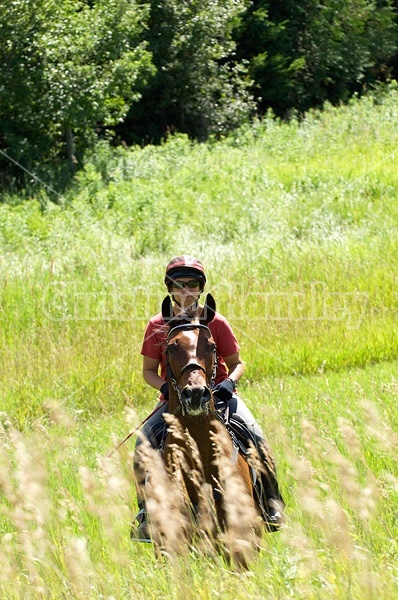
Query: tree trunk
x,y
70,148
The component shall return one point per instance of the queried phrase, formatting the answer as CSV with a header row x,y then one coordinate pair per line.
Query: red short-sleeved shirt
x,y
154,344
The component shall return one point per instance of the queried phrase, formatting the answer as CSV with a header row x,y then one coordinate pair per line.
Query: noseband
x,y
190,365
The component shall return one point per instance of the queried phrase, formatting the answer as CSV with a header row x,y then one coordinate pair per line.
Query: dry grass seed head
x,y
81,572
241,534
205,518
24,483
165,506
378,429
350,437
193,469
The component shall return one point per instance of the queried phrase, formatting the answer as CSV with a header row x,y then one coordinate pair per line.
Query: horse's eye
x,y
171,347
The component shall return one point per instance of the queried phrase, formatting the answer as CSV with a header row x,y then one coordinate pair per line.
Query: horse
x,y
213,477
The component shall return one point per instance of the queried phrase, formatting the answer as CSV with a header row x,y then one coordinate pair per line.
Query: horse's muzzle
x,y
195,400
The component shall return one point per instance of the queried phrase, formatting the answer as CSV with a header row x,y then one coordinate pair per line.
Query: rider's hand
x,y
224,390
164,390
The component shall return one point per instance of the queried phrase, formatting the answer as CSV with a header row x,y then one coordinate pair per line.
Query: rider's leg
x,y
241,415
153,430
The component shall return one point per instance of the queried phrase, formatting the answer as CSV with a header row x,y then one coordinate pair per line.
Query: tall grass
x,y
297,226
66,507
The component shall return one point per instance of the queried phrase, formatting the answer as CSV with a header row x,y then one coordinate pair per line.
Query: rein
x,y
128,436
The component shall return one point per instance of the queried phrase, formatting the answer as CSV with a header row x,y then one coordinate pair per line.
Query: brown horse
x,y
199,454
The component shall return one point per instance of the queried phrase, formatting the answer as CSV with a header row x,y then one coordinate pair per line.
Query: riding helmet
x,y
185,266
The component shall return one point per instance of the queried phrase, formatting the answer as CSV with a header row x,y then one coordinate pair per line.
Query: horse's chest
x,y
192,450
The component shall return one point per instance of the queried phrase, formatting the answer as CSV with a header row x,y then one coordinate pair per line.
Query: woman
x,y
185,280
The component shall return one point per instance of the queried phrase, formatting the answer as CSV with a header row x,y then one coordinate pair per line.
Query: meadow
x,y
297,225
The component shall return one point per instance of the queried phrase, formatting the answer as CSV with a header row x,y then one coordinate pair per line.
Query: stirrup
x,y
141,533
276,516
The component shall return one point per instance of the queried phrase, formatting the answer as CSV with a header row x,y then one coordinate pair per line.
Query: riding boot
x,y
270,499
141,531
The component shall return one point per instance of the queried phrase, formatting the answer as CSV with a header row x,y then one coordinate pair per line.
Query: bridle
x,y
190,365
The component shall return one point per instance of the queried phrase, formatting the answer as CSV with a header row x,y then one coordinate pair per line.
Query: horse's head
x,y
191,363
191,356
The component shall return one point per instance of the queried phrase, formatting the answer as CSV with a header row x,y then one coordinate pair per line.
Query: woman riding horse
x,y
200,456
185,280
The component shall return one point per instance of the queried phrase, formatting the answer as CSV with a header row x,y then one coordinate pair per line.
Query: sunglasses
x,y
191,284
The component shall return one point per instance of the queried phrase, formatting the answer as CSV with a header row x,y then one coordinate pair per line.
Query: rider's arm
x,y
150,368
235,366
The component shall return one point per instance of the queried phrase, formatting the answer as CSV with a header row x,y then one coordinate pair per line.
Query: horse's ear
x,y
167,309
209,310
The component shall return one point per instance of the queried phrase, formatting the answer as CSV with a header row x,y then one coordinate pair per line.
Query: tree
x,y
199,88
69,68
303,53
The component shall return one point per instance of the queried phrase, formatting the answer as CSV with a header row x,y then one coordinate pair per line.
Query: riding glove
x,y
224,390
164,390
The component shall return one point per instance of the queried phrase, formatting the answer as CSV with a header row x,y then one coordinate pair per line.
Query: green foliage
x,y
297,224
198,88
303,53
70,67
66,507
78,70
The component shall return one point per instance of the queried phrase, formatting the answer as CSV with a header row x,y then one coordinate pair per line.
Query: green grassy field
x,y
297,225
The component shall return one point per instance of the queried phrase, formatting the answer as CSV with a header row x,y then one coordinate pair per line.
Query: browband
x,y
187,327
